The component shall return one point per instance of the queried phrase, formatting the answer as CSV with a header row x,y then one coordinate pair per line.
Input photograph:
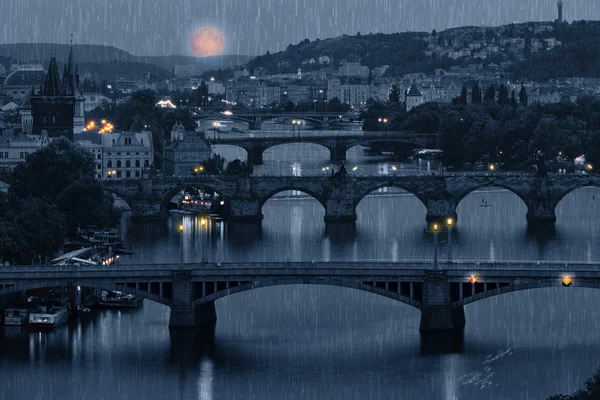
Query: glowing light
x,y
180,228
589,167
166,103
436,227
449,222
355,169
492,167
473,279
212,78
567,281
227,112
203,221
393,168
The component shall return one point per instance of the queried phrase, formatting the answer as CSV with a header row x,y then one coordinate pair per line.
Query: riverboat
x,y
115,299
50,314
16,316
198,204
107,237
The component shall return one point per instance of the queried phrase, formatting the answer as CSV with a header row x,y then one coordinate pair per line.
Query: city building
x,y
559,5
353,68
18,83
413,97
185,151
95,100
15,148
126,154
92,142
185,71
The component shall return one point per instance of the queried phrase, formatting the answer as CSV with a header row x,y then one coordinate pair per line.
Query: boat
x,y
50,314
199,204
101,255
16,316
181,212
115,299
108,237
430,153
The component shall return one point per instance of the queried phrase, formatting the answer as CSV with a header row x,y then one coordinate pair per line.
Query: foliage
x,y
32,233
214,165
85,202
591,391
238,167
46,172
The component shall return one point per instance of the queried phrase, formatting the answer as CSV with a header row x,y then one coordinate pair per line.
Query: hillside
x,y
92,58
406,52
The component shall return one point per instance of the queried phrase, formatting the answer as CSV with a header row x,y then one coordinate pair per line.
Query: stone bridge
x,y
254,119
245,196
337,145
190,290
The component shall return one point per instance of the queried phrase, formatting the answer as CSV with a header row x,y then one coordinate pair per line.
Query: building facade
x,y
126,154
15,149
185,151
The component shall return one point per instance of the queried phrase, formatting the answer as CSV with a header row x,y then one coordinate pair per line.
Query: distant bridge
x,y
190,290
255,119
244,197
337,145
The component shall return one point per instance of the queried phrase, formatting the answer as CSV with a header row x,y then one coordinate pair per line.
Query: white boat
x,y
16,316
50,314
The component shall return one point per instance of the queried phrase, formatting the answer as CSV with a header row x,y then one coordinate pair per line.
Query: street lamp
x,y
216,126
180,229
449,224
435,227
492,167
383,121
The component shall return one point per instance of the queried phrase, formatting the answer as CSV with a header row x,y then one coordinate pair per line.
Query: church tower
x,y
559,5
71,85
53,107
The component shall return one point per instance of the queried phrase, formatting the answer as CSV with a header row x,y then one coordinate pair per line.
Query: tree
x,y
503,95
213,165
201,95
238,167
476,94
394,94
49,170
523,96
490,94
513,100
462,99
85,202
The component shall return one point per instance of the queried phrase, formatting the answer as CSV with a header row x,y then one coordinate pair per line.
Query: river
x,y
315,342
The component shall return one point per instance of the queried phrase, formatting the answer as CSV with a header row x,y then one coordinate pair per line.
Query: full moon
x,y
207,41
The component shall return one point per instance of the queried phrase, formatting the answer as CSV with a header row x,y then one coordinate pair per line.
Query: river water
x,y
315,342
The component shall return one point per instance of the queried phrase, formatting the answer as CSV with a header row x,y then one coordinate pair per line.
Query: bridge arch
x,y
164,205
516,287
309,281
575,187
492,184
219,148
84,283
366,192
286,188
310,143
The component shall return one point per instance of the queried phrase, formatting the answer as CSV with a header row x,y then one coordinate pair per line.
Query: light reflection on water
x,y
314,342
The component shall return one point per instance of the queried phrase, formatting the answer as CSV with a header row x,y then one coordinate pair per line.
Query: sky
x,y
164,27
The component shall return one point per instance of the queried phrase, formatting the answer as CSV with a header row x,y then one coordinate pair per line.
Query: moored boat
x,y
114,299
50,314
16,316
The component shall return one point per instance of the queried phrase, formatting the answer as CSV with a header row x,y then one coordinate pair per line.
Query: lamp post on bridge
x,y
450,224
384,121
180,228
436,228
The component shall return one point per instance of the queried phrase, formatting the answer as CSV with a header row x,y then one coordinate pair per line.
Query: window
x,y
118,163
108,154
137,154
137,174
1,155
99,176
113,141
21,155
127,154
146,163
118,174
109,164
118,154
137,163
127,164
128,174
142,141
6,154
98,166
99,156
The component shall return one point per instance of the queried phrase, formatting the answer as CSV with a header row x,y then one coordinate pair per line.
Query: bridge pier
x,y
255,155
338,152
245,210
183,313
340,210
442,326
147,209
541,214
439,210
255,125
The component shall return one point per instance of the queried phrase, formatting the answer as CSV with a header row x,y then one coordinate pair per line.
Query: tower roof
x,y
52,86
413,91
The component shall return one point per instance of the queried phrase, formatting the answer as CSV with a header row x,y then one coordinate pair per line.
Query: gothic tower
x,y
53,107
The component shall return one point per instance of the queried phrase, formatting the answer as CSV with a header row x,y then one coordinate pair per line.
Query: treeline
x,y
51,194
590,392
510,133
